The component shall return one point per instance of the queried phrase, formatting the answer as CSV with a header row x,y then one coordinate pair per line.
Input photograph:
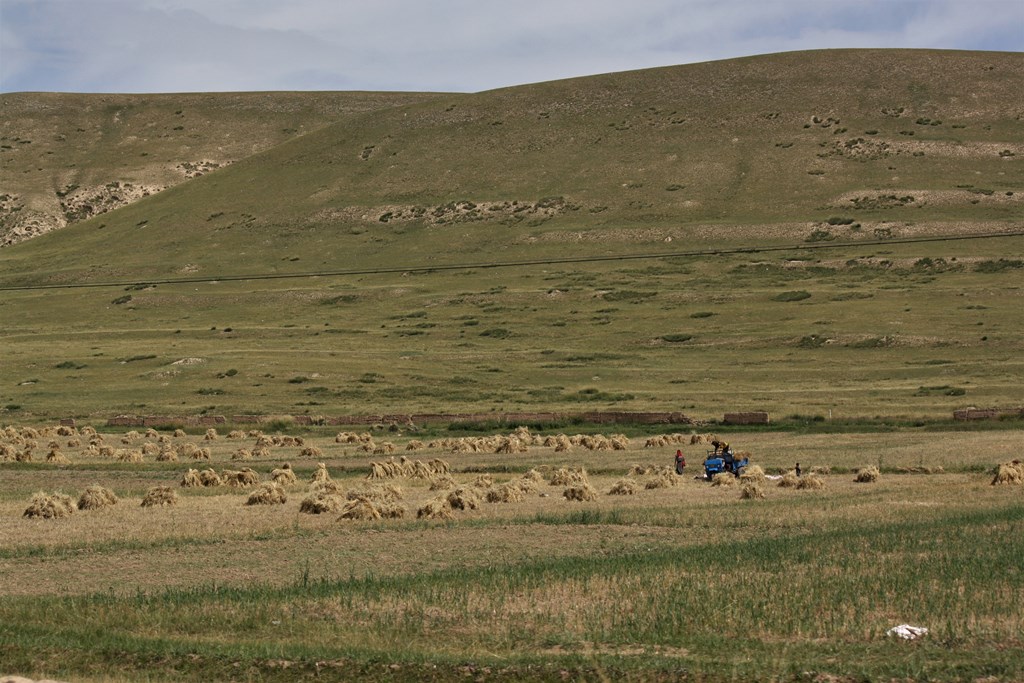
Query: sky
x,y
147,46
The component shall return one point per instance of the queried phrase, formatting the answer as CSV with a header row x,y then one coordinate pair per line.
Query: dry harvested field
x,y
522,582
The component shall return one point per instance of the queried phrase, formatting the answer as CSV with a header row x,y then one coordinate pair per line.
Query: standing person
x,y
798,469
680,462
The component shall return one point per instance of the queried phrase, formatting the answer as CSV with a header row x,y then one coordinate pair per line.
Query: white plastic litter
x,y
907,632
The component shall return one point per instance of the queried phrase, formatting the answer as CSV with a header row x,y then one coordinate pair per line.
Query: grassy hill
x,y
846,152
68,157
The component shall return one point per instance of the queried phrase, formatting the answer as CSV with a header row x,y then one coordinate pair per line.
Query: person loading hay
x,y
725,450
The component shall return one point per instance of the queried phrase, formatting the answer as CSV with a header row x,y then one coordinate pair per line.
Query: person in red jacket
x,y
680,462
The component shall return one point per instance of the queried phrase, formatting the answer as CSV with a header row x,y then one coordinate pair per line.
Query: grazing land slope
x,y
67,157
830,159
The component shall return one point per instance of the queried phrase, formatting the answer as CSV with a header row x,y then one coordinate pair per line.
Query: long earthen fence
x,y
600,417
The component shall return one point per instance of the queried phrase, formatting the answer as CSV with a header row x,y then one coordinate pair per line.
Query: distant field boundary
x,y
803,246
526,418
987,413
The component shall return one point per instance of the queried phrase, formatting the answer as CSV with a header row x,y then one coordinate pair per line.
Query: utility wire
x,y
510,264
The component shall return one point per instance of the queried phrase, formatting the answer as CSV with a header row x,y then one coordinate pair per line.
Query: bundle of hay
x,y
511,444
166,454
243,478
441,482
129,455
420,470
49,506
751,491
264,441
821,469
753,474
242,454
789,480
508,492
188,450
236,434
533,475
702,438
346,437
74,442
438,466
384,470
56,457
261,452
66,430
723,479
325,487
360,508
582,492
525,484
150,448
662,480
464,498
320,473
179,434
624,487
415,445
569,476
562,443
866,475
385,493
437,508
29,433
636,470
619,442
319,503
95,497
385,448
284,476
483,481
1009,473
598,442
383,508
160,496
130,437
191,479
211,435
311,452
106,451
656,442
811,481
269,493
24,456
209,477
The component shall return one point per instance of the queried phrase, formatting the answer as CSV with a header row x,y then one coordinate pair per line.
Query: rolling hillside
x,y
845,152
67,157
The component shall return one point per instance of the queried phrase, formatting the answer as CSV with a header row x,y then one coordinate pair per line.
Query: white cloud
x,y
466,45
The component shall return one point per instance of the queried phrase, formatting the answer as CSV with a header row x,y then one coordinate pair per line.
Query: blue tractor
x,y
716,463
